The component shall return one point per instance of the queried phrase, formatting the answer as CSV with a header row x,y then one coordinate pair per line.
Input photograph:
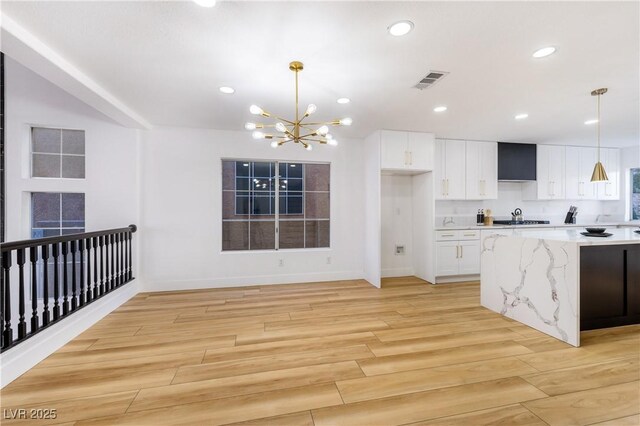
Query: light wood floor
x,y
335,353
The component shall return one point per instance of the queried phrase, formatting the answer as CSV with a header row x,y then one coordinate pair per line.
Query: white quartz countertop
x,y
550,225
619,236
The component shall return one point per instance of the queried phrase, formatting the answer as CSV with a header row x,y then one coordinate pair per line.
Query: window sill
x,y
298,250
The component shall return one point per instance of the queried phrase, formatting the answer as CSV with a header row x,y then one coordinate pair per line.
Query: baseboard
x,y
251,280
18,360
397,272
457,279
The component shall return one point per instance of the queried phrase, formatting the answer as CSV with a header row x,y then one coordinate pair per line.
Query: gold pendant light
x,y
599,174
296,131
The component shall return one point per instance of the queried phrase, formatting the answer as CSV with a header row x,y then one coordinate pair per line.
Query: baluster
x,y
65,281
95,286
116,274
122,277
89,287
130,266
7,332
102,263
74,301
22,325
56,282
34,288
45,284
82,295
113,263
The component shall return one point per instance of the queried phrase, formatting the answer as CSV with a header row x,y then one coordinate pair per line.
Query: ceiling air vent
x,y
432,78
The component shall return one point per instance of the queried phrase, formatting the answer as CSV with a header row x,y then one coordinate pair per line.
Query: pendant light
x,y
599,174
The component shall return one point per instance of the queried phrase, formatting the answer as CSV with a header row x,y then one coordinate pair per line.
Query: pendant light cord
x,y
599,128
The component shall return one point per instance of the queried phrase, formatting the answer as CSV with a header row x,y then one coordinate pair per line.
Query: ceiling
x,y
166,60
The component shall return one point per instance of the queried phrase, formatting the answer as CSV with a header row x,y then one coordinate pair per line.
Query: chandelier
x,y
297,131
599,174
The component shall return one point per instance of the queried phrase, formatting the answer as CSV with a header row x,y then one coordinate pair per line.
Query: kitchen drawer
x,y
470,234
448,235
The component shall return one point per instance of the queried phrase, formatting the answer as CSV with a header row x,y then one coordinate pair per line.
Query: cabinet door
x,y
469,262
439,183
489,170
420,151
447,258
473,175
573,173
393,150
455,170
543,181
556,160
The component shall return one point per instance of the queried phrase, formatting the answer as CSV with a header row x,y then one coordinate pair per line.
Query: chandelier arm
x,y
323,141
309,135
323,123
285,120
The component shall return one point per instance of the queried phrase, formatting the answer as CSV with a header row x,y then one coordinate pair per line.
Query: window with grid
x,y
57,153
251,219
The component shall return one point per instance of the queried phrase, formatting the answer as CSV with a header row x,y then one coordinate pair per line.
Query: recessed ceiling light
x,y
440,108
521,116
227,90
343,100
400,28
545,51
588,122
205,3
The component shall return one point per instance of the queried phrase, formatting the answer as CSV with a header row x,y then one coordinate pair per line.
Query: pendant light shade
x,y
599,174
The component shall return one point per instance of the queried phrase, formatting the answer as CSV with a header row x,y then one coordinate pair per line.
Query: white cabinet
x,y
481,182
457,253
550,183
579,166
449,170
408,151
609,190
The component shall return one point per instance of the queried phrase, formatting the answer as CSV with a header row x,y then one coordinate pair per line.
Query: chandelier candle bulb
x,y
281,127
250,126
258,135
346,121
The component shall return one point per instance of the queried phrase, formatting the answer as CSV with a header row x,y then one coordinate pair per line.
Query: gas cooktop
x,y
521,222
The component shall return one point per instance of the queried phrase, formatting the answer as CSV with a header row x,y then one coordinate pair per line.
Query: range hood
x,y
516,162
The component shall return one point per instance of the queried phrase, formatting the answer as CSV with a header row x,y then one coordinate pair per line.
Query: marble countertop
x,y
619,236
551,225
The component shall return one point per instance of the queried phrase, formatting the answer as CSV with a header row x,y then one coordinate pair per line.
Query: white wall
x,y
111,192
397,225
182,222
629,158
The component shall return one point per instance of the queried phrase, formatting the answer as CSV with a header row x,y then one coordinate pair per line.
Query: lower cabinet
x,y
457,253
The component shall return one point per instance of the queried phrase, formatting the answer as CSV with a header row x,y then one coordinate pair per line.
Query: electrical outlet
x,y
400,250
281,262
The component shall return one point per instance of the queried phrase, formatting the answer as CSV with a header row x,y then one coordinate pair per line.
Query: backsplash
x,y
510,197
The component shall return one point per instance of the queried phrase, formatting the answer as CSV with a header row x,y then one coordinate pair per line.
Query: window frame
x,y
59,228
276,214
31,128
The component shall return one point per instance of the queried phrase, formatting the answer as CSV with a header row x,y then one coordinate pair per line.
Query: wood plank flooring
x,y
331,353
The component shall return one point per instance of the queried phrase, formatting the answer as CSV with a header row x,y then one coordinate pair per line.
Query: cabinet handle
x,y
457,252
447,187
444,187
469,235
446,235
461,252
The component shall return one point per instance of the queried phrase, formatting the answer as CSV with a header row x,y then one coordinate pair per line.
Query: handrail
x,y
14,245
44,280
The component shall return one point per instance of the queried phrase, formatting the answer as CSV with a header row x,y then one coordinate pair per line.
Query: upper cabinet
x,y
609,190
550,174
406,151
579,166
449,170
481,182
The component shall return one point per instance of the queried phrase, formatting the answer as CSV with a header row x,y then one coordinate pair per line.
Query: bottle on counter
x,y
479,218
482,216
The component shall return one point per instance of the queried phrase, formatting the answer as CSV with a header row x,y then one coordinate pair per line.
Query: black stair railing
x,y
66,273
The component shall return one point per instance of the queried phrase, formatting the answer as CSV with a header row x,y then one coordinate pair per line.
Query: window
x,y
635,194
57,153
55,213
251,218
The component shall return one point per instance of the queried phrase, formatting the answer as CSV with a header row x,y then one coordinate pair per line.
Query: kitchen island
x,y
559,281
